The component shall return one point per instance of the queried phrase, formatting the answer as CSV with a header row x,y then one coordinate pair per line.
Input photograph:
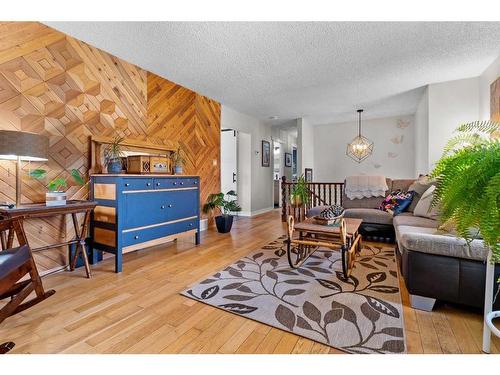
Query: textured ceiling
x,y
321,70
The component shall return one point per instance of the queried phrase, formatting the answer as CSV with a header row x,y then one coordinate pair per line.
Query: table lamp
x,y
22,146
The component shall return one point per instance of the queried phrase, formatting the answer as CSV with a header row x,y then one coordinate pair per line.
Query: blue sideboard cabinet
x,y
138,211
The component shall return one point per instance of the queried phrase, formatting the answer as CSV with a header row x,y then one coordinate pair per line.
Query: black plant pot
x,y
224,223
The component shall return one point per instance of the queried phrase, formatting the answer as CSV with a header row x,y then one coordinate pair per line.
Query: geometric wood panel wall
x,y
53,84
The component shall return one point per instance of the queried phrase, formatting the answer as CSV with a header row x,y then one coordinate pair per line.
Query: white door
x,y
228,165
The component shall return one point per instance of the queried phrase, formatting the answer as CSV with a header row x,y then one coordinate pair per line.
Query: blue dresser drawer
x,y
138,236
187,182
136,184
164,183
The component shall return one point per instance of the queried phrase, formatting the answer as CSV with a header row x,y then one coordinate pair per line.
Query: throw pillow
x,y
423,207
396,202
419,187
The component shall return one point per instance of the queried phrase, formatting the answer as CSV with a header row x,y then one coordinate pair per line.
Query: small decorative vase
x,y
178,169
296,200
55,198
115,166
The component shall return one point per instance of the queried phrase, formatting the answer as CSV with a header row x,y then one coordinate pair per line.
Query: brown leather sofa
x,y
435,265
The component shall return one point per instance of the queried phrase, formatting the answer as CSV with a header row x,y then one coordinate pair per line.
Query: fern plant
x,y
218,202
468,189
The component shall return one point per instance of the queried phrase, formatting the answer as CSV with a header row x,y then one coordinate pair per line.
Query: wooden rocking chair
x,y
15,263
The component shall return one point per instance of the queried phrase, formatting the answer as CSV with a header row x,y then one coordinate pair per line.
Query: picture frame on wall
x,y
288,159
308,174
266,153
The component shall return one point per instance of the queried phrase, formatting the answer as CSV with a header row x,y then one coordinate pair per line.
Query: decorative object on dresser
x,y
40,210
266,154
113,153
288,159
22,146
145,164
177,158
224,222
134,148
56,196
360,147
15,264
137,211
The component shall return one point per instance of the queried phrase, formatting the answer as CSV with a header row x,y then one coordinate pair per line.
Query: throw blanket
x,y
365,187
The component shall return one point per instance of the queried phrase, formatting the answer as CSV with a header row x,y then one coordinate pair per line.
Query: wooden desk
x,y
38,210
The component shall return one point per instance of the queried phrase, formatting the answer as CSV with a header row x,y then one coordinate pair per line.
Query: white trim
x,y
256,212
159,224
203,224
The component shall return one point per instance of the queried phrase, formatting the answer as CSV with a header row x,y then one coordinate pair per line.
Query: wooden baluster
x,y
335,192
330,194
342,187
283,199
324,194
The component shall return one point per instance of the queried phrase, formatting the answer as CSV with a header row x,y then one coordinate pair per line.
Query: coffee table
x,y
343,237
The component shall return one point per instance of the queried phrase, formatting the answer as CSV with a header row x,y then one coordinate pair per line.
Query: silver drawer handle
x,y
136,237
158,184
196,182
169,206
175,183
148,184
162,207
182,183
190,224
127,184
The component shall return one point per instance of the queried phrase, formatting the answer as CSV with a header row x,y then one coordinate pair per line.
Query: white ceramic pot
x,y
55,198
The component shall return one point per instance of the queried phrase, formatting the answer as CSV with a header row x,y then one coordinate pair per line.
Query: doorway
x,y
229,160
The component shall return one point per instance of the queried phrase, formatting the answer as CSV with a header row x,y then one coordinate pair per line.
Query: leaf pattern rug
x,y
362,314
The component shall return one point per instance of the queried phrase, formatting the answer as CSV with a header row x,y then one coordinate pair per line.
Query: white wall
x,y
490,75
261,177
450,104
393,152
287,140
421,129
305,146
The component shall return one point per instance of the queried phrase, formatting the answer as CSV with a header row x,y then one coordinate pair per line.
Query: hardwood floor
x,y
140,310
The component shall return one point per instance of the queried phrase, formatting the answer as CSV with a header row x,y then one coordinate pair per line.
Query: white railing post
x,y
488,302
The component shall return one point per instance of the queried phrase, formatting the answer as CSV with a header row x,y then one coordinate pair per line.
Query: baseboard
x,y
203,225
256,212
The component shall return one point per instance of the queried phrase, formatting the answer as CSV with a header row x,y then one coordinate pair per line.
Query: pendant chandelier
x,y
360,147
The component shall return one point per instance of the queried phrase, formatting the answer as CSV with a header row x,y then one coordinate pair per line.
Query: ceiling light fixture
x,y
360,147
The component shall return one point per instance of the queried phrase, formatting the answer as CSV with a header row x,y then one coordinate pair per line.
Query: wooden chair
x,y
16,263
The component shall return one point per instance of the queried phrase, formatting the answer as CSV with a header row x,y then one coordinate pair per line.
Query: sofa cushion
x,y
414,221
369,215
430,241
402,185
424,206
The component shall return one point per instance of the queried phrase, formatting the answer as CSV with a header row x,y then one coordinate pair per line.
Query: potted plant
x,y
224,222
56,195
468,191
300,193
177,160
113,152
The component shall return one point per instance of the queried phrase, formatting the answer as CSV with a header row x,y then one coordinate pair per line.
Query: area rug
x,y
362,314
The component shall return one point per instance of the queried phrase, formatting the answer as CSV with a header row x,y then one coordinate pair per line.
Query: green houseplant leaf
x,y
218,202
468,189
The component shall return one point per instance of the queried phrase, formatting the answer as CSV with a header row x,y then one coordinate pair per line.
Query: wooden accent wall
x,y
495,100
55,85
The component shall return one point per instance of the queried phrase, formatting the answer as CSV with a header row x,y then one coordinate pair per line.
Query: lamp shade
x,y
23,145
